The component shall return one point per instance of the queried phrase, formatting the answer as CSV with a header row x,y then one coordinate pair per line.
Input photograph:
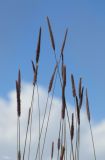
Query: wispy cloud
x,y
8,118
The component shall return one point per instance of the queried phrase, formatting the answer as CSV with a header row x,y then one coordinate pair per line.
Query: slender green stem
x,y
76,142
17,136
59,139
39,120
48,118
72,150
92,141
25,140
65,137
42,125
62,135
32,100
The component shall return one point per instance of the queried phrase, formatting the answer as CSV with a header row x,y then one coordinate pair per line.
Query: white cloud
x,y
8,120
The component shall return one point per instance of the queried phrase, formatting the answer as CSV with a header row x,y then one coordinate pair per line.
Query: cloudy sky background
x,y
8,127
84,56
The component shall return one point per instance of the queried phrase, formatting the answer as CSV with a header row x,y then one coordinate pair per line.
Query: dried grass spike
x,y
18,99
78,111
52,79
72,128
73,86
87,106
33,66
64,75
63,45
38,46
63,103
19,80
52,150
81,98
80,87
51,34
62,152
58,144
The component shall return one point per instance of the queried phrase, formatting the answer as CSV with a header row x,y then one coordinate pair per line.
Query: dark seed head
x,y
38,46
87,107
51,34
73,86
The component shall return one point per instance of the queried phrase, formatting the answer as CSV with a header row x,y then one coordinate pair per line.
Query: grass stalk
x,y
31,113
88,116
92,140
26,134
39,119
17,137
48,118
42,126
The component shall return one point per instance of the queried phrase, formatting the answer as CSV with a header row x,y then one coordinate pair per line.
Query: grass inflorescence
x,y
72,121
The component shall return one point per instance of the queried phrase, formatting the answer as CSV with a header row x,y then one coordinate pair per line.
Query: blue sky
x,y
84,50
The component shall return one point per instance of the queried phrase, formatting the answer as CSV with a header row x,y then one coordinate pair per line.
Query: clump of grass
x,y
74,129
